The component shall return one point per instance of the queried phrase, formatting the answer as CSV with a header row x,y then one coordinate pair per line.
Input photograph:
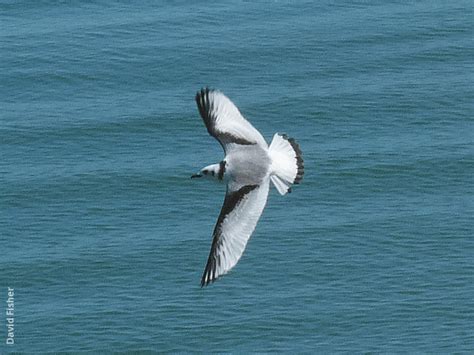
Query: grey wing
x,y
224,121
238,218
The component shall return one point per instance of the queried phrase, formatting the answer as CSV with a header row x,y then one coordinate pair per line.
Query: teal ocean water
x,y
104,236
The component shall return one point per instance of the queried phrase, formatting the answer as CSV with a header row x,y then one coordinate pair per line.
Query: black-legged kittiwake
x,y
248,167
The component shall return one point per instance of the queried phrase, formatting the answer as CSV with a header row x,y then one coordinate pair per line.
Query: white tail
x,y
287,164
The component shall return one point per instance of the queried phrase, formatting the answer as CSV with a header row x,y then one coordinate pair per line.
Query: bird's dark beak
x,y
196,176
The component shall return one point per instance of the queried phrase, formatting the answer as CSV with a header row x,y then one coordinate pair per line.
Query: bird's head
x,y
210,171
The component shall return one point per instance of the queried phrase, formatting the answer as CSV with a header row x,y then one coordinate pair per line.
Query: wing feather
x,y
224,121
238,218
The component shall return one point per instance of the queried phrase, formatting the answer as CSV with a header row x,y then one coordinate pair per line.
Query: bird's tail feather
x,y
287,163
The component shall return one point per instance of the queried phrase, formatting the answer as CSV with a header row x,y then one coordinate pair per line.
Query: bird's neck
x,y
218,170
221,170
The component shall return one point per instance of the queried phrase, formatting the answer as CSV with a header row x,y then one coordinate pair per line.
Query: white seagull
x,y
248,167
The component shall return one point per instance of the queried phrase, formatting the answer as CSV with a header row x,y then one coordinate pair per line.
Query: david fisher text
x,y
10,312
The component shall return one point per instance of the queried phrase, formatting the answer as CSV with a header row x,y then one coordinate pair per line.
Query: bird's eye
x,y
204,172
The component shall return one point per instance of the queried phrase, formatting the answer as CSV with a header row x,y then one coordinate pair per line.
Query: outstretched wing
x,y
225,122
239,215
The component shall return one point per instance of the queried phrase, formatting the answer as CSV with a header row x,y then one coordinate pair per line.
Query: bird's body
x,y
247,168
248,165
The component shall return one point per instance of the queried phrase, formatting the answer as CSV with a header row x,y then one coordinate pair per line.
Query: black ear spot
x,y
213,173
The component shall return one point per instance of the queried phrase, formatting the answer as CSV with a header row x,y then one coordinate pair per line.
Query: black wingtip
x,y
203,92
209,274
204,107
201,102
210,279
205,284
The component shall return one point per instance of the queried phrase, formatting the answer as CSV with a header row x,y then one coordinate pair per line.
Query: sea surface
x,y
104,236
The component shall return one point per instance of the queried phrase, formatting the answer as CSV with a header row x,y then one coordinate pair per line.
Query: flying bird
x,y
247,168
